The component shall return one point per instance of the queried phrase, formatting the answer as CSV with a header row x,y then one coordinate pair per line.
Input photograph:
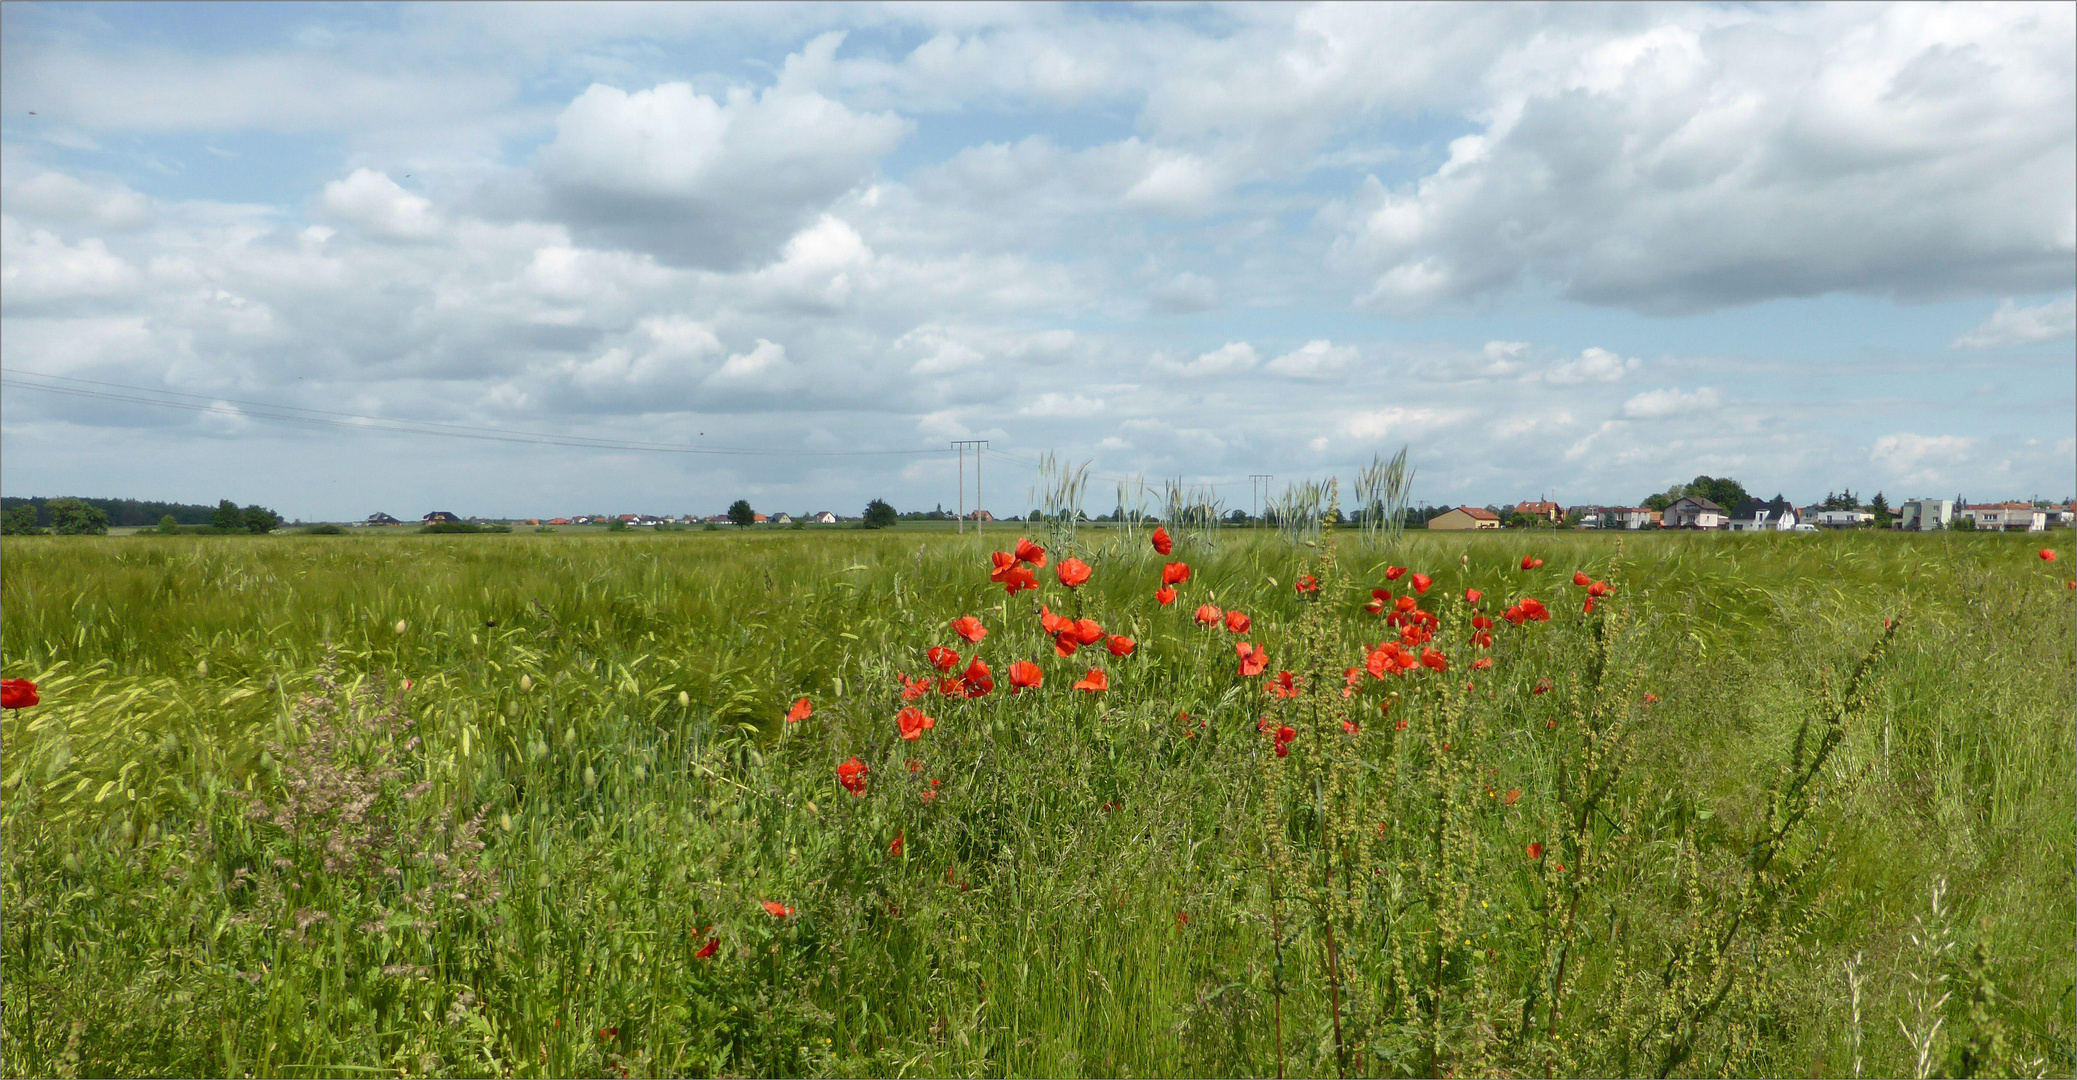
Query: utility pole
x,y
978,446
1261,481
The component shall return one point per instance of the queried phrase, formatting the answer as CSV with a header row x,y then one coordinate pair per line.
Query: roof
x,y
1480,514
1699,502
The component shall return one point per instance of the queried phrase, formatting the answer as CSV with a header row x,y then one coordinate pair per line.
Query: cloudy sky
x,y
1576,250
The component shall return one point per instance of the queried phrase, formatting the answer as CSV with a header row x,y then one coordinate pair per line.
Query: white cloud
x,y
1906,451
1184,293
1052,404
373,204
1319,359
1402,423
1493,360
40,271
61,198
2014,325
1658,404
763,368
1231,358
1594,365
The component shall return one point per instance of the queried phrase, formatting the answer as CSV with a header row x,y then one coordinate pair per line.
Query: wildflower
x,y
1207,615
1536,849
1307,584
707,951
1182,919
1025,675
1514,614
895,848
609,1034
1162,544
977,678
1600,588
801,711
913,723
1378,599
970,628
1588,607
1165,595
1534,610
1351,727
933,792
1471,596
1394,573
1119,645
1073,572
1421,583
1406,603
1482,663
1351,681
851,774
1065,643
1431,658
1480,622
1253,659
1175,573
1284,736
777,910
1012,575
2047,554
1087,631
1094,682
1651,699
1237,623
1542,686
1283,685
1530,564
17,694
912,688
1513,796
1028,552
1579,578
1482,638
942,658
1051,623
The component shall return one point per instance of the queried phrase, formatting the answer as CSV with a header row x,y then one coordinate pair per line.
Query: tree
x,y
71,517
740,513
1880,507
259,519
168,526
879,514
20,520
228,518
1840,500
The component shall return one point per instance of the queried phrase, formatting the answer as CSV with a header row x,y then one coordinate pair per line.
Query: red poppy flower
x,y
1588,607
1073,572
933,792
778,911
1025,675
1175,573
1237,623
17,694
1051,623
1284,737
1307,584
2047,554
1164,596
942,658
1283,685
1533,608
1393,573
900,841
1087,631
1351,727
1065,643
1471,596
1514,615
911,688
1579,578
1207,615
851,774
1028,552
1536,849
970,628
978,679
1378,599
1431,658
1530,564
1421,583
1483,639
1406,603
1513,796
1253,659
1162,544
1542,686
1094,682
1012,575
1651,699
1020,579
1119,645
1480,622
801,711
1600,588
1482,663
913,723
707,951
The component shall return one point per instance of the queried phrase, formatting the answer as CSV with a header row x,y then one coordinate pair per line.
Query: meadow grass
x,y
482,804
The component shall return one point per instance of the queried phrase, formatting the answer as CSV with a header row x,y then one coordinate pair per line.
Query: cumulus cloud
x,y
1659,404
1320,359
1231,358
1183,294
40,272
2014,325
62,199
1595,365
1493,360
374,205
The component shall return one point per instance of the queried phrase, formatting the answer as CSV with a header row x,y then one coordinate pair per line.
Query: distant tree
x,y
1879,506
228,517
20,520
1035,515
168,526
879,514
1840,500
1962,524
1525,521
616,525
740,513
71,517
259,519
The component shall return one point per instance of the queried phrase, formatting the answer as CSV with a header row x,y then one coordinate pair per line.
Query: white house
x,y
782,518
1925,515
2007,516
1695,512
823,517
1759,517
1842,519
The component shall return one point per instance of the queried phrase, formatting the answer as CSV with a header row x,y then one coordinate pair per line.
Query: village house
x,y
2006,516
782,518
822,517
1695,512
1841,519
980,515
558,521
441,517
1542,508
1753,515
1924,515
1465,517
380,518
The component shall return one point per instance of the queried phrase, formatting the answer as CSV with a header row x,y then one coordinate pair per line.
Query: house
x,y
1637,517
558,521
380,518
1543,508
2007,516
823,517
980,515
1753,515
1925,515
1695,512
759,518
1841,519
1465,517
782,518
441,517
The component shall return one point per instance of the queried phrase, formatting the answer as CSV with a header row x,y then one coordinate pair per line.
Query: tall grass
x,y
473,804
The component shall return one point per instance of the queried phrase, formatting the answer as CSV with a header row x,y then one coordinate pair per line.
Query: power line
x,y
169,399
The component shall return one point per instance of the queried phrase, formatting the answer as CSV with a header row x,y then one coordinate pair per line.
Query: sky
x,y
655,258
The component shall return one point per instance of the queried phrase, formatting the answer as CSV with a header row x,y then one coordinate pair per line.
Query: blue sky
x,y
1579,251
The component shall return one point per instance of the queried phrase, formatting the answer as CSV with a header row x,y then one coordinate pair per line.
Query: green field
x,y
515,804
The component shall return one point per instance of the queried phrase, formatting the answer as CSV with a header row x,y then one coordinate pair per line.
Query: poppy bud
x,y
400,628
684,700
526,683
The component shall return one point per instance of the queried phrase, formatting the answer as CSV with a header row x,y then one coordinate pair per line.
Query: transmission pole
x,y
1259,481
978,446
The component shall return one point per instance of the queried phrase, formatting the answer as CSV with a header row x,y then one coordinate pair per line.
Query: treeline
x,y
121,512
92,517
